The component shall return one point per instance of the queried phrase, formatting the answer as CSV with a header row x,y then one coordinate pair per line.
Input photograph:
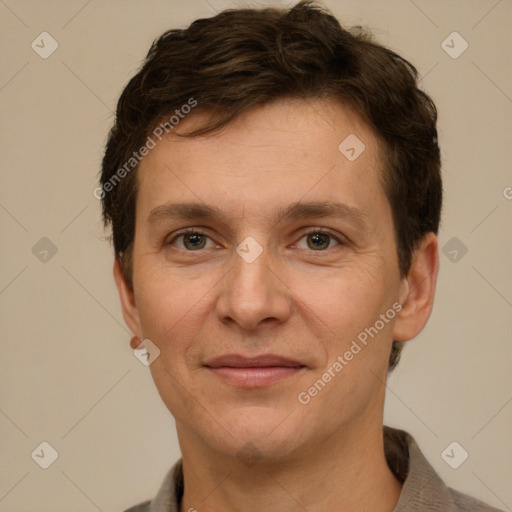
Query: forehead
x,y
268,158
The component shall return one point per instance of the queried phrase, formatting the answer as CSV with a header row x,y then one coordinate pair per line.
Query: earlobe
x,y
418,290
127,298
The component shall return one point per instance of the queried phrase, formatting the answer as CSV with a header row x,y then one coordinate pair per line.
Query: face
x,y
261,255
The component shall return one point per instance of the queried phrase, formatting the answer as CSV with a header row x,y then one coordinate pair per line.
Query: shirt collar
x,y
422,488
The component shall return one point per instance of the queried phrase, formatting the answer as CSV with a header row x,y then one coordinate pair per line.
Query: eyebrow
x,y
294,211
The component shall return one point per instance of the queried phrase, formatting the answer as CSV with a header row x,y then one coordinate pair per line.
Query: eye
x,y
192,240
319,241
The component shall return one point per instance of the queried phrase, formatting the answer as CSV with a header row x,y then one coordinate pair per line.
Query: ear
x,y
418,290
127,298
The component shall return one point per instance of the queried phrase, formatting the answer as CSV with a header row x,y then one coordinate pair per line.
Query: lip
x,y
253,372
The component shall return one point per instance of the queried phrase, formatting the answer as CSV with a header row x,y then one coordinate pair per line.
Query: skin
x,y
294,300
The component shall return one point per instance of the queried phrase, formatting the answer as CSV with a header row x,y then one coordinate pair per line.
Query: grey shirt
x,y
422,489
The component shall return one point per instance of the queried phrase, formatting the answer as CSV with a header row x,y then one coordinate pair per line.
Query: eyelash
x,y
321,231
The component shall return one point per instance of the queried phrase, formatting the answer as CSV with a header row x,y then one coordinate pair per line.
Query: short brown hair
x,y
245,58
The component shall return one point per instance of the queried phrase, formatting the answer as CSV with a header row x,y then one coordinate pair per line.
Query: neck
x,y
347,473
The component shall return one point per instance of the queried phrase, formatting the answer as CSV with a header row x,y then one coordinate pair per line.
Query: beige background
x,y
68,376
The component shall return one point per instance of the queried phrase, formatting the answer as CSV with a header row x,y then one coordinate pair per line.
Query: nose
x,y
253,293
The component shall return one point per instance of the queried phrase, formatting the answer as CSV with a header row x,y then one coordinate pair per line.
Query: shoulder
x,y
466,503
141,507
422,487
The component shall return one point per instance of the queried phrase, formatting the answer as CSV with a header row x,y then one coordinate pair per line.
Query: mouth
x,y
253,372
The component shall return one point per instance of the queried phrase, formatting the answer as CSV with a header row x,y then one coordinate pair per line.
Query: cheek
x,y
347,299
171,313
168,307
351,307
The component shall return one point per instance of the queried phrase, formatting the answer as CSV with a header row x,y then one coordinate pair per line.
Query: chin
x,y
260,433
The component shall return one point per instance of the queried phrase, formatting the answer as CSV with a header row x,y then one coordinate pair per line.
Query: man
x,y
273,185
